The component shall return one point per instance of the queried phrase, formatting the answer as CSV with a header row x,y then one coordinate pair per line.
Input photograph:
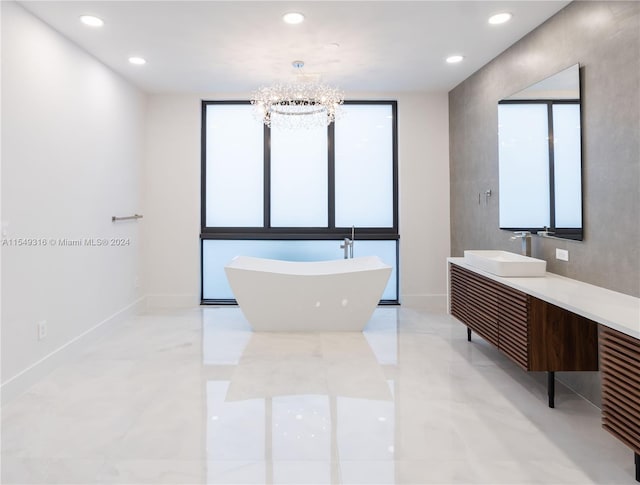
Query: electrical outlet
x,y
42,330
562,254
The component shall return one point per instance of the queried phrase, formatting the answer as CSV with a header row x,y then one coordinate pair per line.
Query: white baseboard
x,y
160,302
433,303
24,379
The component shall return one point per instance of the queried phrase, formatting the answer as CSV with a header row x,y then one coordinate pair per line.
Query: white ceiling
x,y
236,46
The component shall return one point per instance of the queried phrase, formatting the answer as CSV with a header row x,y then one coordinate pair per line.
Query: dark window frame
x,y
331,232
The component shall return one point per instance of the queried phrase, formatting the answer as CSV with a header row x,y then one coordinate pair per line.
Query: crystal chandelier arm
x,y
297,104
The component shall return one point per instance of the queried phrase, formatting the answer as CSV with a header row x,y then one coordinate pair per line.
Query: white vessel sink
x,y
504,263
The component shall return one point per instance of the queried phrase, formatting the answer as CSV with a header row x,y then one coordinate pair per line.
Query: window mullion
x,y
552,198
331,172
267,177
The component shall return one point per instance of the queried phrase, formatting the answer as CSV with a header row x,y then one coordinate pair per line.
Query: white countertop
x,y
615,310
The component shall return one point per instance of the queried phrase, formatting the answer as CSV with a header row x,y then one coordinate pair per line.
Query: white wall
x,y
172,197
72,142
424,198
171,202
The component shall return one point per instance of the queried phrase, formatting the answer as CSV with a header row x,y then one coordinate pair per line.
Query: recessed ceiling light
x,y
500,18
138,61
91,21
454,59
293,18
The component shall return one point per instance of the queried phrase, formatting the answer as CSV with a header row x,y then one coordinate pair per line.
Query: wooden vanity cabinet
x,y
535,334
620,358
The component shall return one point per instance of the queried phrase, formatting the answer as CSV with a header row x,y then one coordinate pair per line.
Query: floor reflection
x,y
300,408
193,396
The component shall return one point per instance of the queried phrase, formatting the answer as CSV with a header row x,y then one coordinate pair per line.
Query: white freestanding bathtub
x,y
337,295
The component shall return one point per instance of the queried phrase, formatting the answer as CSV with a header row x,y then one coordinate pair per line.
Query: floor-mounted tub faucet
x,y
525,237
348,244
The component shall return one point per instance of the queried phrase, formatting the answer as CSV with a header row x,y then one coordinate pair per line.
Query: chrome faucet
x,y
525,237
348,244
545,232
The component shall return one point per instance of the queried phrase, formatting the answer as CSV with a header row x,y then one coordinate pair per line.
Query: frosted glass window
x,y
235,166
216,253
299,177
567,166
524,165
364,166
296,184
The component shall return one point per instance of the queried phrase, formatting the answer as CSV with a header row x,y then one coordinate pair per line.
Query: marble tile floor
x,y
193,396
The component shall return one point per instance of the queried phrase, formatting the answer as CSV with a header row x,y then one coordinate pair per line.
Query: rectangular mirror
x,y
540,162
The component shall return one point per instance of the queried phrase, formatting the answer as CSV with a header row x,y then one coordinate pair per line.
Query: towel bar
x,y
134,216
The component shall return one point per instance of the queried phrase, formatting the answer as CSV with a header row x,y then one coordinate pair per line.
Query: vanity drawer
x,y
620,365
474,301
513,325
494,311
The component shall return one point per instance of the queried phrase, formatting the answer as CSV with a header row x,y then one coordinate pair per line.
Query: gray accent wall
x,y
604,38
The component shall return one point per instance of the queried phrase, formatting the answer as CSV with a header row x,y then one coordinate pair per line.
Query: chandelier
x,y
301,104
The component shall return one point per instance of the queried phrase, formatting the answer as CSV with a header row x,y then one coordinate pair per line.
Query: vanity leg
x,y
468,334
637,457
551,389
